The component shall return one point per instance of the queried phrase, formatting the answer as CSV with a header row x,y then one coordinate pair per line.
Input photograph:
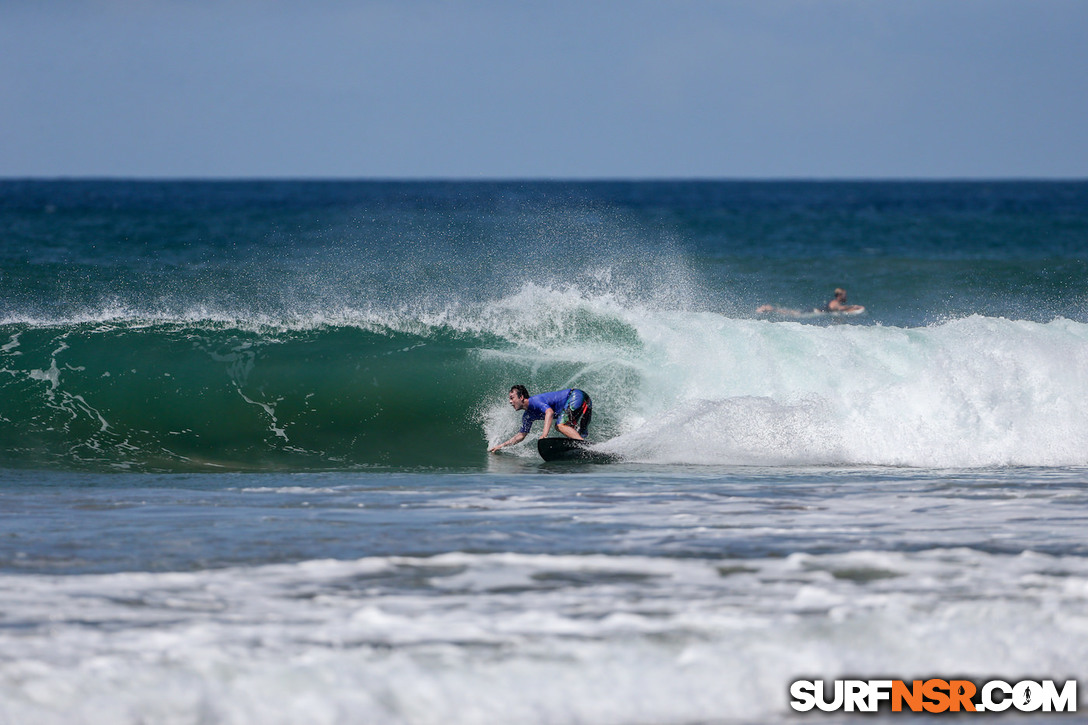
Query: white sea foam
x,y
467,638
697,387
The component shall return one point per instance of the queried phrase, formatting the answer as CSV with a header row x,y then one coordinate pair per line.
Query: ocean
x,y
244,426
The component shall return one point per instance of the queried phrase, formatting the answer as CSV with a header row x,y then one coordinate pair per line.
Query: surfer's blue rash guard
x,y
539,404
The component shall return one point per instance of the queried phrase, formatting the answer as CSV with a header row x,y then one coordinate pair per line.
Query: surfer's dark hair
x,y
521,391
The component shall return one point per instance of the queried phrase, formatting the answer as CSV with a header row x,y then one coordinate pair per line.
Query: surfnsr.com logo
x,y
933,695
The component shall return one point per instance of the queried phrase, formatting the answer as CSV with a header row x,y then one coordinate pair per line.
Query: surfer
x,y
836,305
570,409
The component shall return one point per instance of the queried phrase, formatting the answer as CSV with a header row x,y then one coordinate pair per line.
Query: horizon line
x,y
536,179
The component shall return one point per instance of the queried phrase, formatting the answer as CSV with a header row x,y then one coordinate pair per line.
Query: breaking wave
x,y
408,388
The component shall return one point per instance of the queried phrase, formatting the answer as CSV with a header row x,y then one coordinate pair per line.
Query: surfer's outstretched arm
x,y
518,438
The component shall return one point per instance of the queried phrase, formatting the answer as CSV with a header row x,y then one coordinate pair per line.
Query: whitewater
x,y
244,427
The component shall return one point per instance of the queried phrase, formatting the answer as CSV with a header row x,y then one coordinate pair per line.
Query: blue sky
x,y
518,89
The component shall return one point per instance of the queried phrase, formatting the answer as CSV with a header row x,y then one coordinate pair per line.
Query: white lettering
x,y
1027,696
1066,701
856,695
997,705
994,696
821,700
879,690
804,698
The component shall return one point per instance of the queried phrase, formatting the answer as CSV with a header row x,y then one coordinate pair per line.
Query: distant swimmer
x,y
570,410
836,305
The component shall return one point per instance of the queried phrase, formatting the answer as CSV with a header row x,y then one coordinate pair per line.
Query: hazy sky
x,y
566,89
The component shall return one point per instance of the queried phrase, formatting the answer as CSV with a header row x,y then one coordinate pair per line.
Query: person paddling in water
x,y
836,304
570,409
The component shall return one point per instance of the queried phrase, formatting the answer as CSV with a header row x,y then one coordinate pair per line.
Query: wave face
x,y
669,386
303,326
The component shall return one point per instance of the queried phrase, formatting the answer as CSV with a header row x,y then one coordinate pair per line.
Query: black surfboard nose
x,y
568,449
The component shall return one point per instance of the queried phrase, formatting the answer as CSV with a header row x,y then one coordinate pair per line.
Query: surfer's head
x,y
519,397
840,294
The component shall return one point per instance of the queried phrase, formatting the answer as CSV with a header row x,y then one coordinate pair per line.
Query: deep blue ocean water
x,y
243,433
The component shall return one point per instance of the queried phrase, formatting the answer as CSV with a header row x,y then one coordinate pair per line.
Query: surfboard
x,y
851,310
567,449
786,313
